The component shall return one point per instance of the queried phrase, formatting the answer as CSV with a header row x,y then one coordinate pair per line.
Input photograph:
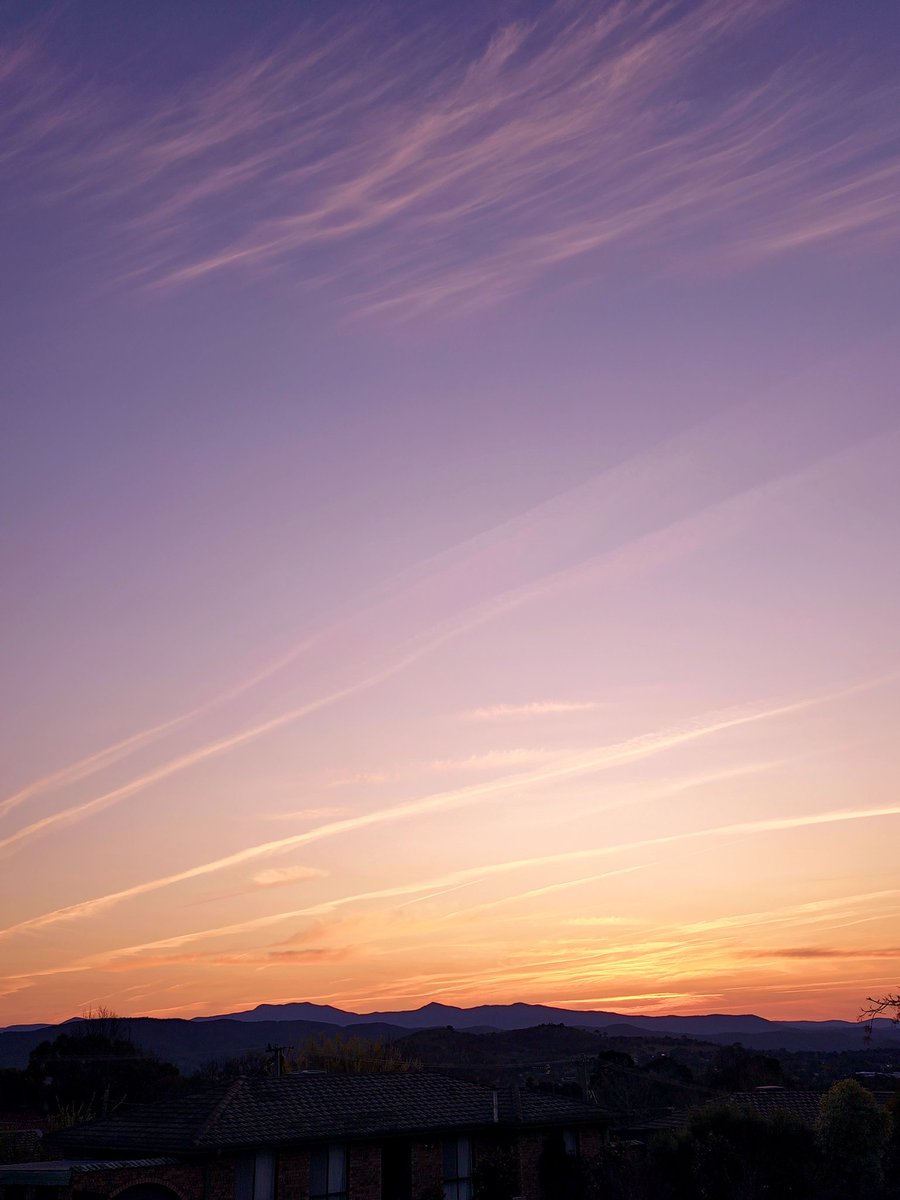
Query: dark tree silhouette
x,y
737,1069
729,1153
85,1074
854,1131
349,1054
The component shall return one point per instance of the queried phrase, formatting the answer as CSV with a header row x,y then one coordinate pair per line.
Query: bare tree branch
x,y
879,1006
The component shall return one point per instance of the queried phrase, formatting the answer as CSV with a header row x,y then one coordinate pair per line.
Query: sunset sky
x,y
450,490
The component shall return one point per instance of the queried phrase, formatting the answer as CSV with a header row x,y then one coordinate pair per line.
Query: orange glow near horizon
x,y
451,481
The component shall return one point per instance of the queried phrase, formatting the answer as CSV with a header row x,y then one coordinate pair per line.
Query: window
x,y
328,1172
570,1142
457,1169
254,1176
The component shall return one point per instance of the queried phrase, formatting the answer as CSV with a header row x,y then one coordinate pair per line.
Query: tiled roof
x,y
769,1101
156,1128
80,1166
542,1108
805,1105
59,1172
675,1118
12,1121
310,1107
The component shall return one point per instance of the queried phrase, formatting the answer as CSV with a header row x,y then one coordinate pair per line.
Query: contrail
x,y
607,757
468,874
210,750
88,766
561,886
408,579
661,544
785,912
658,469
547,511
745,827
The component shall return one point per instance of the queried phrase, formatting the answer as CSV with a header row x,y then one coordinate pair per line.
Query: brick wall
x,y
592,1141
364,1171
185,1179
214,1179
427,1166
292,1178
209,1180
530,1147
219,1179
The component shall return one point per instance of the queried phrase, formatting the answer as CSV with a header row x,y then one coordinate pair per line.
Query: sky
x,y
449,489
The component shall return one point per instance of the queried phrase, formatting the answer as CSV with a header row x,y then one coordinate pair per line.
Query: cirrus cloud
x,y
534,708
403,170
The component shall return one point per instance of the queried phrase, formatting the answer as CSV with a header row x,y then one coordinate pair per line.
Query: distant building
x,y
21,1134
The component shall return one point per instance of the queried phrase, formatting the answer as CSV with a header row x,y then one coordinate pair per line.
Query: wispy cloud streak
x,y
535,708
665,471
813,953
430,171
498,553
213,749
604,758
92,764
210,750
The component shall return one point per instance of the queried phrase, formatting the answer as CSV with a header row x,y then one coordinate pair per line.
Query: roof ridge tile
x,y
216,1112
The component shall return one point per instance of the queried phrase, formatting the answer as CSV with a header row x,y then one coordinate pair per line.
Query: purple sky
x,y
450,488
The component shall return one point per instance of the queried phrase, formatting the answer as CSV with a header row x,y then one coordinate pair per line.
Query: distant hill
x,y
747,1029
429,1016
489,1017
444,1048
189,1043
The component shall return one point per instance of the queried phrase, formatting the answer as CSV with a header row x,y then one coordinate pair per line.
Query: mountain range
x,y
189,1043
747,1029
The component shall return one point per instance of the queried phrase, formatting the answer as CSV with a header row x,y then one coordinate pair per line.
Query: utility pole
x,y
278,1051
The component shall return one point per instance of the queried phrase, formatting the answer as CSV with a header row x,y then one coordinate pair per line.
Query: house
x,y
20,1134
805,1106
768,1102
317,1137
